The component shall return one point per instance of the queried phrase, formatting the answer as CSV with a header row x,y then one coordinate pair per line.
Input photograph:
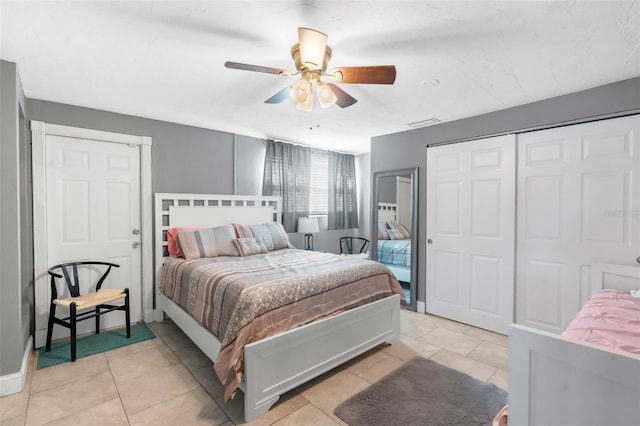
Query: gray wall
x,y
387,189
249,164
408,149
184,158
16,259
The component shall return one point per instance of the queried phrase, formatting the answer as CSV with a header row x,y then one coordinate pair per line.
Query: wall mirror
x,y
394,237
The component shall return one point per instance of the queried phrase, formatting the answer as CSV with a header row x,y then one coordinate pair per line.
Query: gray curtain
x,y
287,171
343,197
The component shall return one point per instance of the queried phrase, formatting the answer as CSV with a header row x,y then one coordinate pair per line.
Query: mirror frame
x,y
413,172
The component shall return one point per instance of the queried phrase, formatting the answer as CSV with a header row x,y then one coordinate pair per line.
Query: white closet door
x,y
471,232
403,200
578,203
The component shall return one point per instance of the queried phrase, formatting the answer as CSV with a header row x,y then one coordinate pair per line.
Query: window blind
x,y
319,196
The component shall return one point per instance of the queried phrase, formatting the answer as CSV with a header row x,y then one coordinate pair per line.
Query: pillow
x,y
249,246
400,227
273,235
394,234
208,242
242,231
382,232
172,242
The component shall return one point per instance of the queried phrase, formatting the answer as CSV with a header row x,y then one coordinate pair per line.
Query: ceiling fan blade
x,y
379,74
312,47
343,98
256,68
279,97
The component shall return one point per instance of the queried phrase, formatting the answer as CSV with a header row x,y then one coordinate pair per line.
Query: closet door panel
x,y
470,223
578,203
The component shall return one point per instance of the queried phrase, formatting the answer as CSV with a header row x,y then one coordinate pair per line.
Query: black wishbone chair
x,y
99,300
353,245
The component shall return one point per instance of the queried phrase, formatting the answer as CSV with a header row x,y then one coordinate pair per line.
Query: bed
x,y
394,253
588,375
268,364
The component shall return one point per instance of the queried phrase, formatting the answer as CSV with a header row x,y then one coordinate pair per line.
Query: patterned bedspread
x,y
395,252
244,299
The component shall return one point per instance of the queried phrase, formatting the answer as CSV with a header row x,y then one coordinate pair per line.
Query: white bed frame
x,y
277,364
387,212
554,381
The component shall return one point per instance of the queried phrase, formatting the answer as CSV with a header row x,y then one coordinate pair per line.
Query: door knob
x,y
135,231
638,259
136,244
429,241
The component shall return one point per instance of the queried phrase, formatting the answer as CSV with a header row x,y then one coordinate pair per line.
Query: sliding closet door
x,y
578,203
471,232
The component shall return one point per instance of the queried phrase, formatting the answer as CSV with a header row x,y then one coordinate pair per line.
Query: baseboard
x,y
421,307
14,382
149,316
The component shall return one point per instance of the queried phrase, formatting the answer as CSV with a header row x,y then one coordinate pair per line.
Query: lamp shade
x,y
308,225
312,47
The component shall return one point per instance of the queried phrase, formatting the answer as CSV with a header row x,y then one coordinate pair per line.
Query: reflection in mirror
x,y
394,240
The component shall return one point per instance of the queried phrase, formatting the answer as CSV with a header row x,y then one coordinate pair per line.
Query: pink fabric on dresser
x,y
609,319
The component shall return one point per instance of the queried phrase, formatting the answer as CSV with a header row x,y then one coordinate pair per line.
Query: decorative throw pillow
x,y
394,234
273,235
208,242
279,236
400,227
249,246
242,231
172,240
382,232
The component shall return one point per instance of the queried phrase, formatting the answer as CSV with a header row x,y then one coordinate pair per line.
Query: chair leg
x,y
52,315
98,319
126,312
73,330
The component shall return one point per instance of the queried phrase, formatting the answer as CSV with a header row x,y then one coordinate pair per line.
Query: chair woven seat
x,y
91,300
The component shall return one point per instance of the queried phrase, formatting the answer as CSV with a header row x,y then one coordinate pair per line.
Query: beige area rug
x,y
423,392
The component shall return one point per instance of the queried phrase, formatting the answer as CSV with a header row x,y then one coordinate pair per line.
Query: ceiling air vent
x,y
424,123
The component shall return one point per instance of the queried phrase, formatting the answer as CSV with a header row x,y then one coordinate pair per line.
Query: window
x,y
319,191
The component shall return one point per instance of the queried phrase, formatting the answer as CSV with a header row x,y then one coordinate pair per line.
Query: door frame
x,y
39,132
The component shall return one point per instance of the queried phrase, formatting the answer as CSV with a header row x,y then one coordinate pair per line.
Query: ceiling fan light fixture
x,y
301,91
326,97
306,105
312,47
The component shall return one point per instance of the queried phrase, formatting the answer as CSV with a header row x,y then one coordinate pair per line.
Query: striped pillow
x,y
382,232
208,242
401,228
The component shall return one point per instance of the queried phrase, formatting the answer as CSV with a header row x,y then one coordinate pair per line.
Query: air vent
x,y
424,123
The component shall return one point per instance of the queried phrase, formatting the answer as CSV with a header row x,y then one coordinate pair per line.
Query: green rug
x,y
93,344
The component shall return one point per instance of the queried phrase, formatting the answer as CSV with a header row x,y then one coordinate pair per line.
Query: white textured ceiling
x,y
165,59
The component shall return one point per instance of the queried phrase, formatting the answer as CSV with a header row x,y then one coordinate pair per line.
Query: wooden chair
x,y
98,300
353,245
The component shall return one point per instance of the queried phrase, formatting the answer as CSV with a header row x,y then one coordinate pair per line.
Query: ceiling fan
x,y
311,56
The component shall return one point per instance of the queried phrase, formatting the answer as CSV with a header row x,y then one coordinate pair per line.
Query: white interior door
x,y
93,213
471,231
578,204
403,199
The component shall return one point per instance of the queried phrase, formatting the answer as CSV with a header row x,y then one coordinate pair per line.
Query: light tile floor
x,y
169,381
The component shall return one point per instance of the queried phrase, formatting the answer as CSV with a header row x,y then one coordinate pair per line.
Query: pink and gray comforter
x,y
244,299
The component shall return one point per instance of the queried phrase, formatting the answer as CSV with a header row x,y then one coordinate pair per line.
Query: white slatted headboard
x,y
203,210
387,212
